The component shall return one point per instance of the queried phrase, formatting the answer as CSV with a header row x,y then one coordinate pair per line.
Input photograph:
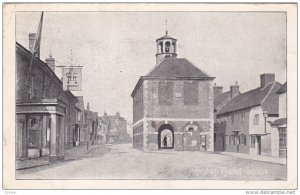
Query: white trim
x,y
138,122
178,119
172,119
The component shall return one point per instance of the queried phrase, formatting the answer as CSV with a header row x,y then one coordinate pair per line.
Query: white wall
x,y
282,105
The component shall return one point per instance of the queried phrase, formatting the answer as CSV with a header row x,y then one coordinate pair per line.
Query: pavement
x,y
74,153
260,158
124,162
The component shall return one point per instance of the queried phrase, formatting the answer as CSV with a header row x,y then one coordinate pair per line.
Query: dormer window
x,y
167,49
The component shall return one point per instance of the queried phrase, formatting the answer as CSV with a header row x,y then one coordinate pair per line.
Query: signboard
x,y
72,78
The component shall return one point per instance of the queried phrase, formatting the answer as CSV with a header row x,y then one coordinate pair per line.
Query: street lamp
x,y
266,114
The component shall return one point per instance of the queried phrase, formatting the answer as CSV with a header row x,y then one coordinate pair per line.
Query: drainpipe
x,y
266,114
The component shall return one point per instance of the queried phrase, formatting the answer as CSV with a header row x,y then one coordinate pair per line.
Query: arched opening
x,y
161,47
165,137
174,47
168,44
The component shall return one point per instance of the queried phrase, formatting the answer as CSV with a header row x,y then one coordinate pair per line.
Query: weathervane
x,y
166,27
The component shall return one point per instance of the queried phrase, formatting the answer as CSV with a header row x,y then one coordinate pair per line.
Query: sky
x,y
116,48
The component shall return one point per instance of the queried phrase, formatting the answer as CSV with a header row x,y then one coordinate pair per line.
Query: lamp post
x,y
266,114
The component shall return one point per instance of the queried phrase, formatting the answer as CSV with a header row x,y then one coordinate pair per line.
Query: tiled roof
x,y
221,100
279,122
176,67
283,89
262,95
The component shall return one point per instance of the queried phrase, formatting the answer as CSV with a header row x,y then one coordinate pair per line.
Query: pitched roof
x,y
253,98
221,100
80,103
279,122
176,67
165,37
282,89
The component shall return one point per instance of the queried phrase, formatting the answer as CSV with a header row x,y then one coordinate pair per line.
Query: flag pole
x,y
36,49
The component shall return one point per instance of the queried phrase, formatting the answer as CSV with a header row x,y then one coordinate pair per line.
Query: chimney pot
x,y
218,90
234,90
266,78
50,62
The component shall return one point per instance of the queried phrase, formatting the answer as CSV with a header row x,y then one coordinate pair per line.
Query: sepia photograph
x,y
153,95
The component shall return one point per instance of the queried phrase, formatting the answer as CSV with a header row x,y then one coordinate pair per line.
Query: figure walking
x,y
165,141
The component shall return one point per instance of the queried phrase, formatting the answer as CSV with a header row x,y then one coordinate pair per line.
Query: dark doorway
x,y
165,137
259,145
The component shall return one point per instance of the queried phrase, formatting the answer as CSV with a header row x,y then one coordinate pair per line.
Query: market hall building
x,y
173,104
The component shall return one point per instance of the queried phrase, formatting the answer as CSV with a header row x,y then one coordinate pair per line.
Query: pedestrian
x,y
165,141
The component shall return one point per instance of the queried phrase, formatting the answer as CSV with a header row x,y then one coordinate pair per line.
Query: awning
x,y
279,122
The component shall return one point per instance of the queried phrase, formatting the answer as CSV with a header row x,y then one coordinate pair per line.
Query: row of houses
x,y
253,122
50,119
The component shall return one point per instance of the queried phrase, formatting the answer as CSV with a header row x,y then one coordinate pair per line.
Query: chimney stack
x,y
50,62
32,37
234,90
218,90
266,78
118,114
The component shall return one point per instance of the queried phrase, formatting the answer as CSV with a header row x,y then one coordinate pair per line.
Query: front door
x,y
259,145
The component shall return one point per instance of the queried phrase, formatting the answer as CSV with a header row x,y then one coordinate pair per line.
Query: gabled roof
x,y
176,67
255,97
282,89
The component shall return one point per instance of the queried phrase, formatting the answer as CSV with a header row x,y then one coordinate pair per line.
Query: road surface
x,y
124,162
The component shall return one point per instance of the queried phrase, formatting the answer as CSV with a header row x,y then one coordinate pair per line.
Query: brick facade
x,y
178,115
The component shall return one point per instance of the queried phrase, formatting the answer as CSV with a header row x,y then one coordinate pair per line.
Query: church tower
x,y
166,48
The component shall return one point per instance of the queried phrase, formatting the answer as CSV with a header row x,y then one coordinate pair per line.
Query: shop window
x,y
34,132
282,138
243,139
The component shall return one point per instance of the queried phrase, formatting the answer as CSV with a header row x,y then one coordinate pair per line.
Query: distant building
x,y
117,129
45,114
173,104
246,117
220,100
91,120
80,134
102,130
280,143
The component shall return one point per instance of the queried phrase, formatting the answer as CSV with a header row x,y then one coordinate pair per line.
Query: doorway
x,y
259,145
165,137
